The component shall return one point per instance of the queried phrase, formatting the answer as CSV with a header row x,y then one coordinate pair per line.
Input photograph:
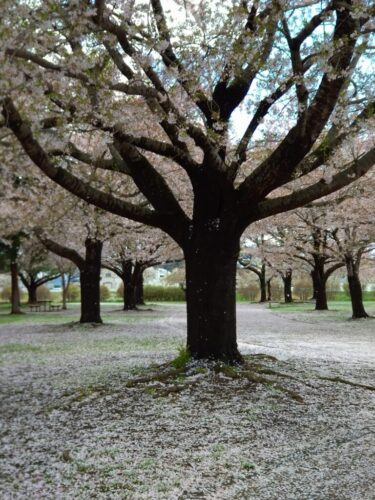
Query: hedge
x,y
154,293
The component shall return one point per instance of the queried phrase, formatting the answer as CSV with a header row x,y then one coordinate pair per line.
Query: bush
x,y
302,288
154,293
43,293
6,294
74,293
105,293
120,291
249,292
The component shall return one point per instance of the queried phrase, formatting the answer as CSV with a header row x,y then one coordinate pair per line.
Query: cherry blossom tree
x,y
77,232
164,96
134,250
35,267
253,259
312,245
352,228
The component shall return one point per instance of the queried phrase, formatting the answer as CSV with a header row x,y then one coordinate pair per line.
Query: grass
x,y
17,352
310,306
182,359
337,311
67,337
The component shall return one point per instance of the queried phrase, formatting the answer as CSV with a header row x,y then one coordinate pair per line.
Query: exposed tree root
x,y
159,376
348,382
166,380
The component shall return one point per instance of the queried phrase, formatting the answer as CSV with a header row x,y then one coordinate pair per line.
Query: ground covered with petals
x,y
85,415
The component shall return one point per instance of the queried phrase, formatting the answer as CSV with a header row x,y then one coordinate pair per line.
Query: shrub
x,y
74,293
302,288
43,293
6,293
120,291
164,294
250,292
105,293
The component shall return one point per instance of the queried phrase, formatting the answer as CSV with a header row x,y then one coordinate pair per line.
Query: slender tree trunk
x,y
287,280
139,290
211,300
355,289
263,284
269,290
64,287
90,282
15,290
319,283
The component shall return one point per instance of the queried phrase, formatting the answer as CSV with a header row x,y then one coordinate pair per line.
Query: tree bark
x,y
129,288
90,282
15,290
287,280
139,290
319,283
64,288
263,284
211,301
32,293
355,289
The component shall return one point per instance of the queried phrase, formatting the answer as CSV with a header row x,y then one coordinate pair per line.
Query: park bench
x,y
34,307
55,307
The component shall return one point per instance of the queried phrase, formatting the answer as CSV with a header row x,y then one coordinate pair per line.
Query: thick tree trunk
x,y
355,289
90,282
139,290
211,301
263,284
15,290
32,293
287,280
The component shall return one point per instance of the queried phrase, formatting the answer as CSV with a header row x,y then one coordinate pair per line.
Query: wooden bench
x,y
54,307
34,307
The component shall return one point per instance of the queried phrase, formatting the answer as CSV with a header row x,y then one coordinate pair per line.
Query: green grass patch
x,y
19,348
310,306
182,358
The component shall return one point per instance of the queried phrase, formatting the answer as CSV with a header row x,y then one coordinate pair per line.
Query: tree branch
x,y
299,198
62,251
74,184
278,168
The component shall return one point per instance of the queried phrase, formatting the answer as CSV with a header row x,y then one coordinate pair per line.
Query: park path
x,y
292,335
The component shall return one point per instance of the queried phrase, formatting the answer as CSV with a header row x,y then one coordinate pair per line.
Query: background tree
x,y
131,252
35,267
352,224
252,259
67,269
9,254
